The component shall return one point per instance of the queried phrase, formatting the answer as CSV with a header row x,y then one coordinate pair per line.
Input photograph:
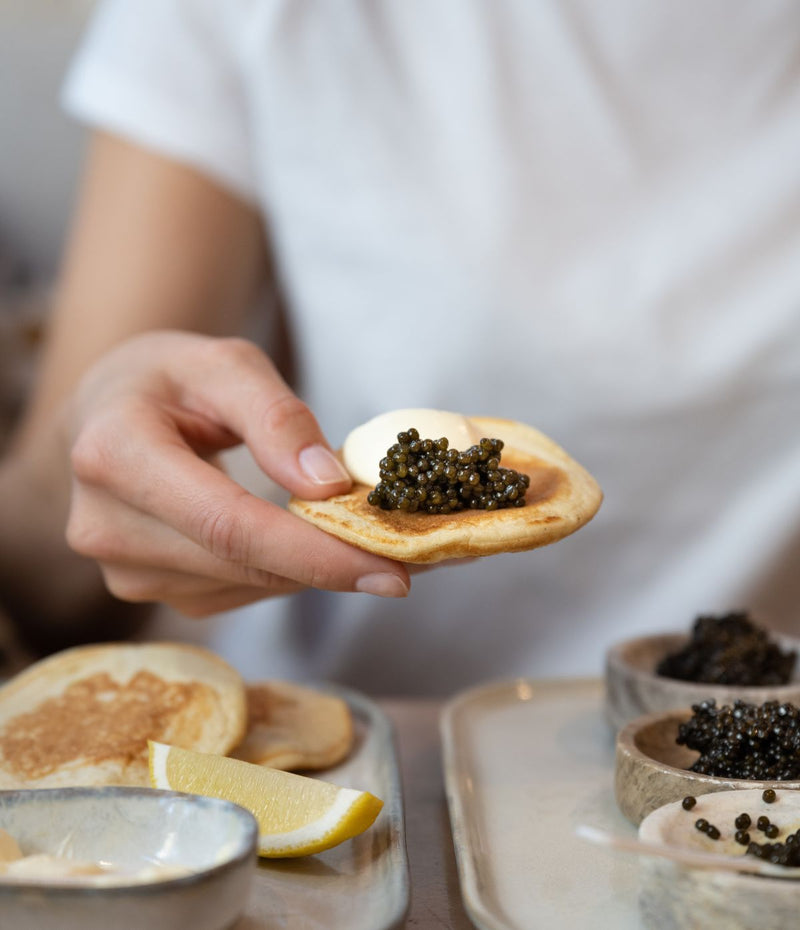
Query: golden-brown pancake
x,y
562,497
293,727
83,716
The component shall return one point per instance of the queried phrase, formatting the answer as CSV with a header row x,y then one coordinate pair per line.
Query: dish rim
x,y
245,849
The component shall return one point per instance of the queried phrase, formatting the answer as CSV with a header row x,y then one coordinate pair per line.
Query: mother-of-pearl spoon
x,y
690,857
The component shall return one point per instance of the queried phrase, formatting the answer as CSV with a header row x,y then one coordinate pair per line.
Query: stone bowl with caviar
x,y
753,880
707,748
723,658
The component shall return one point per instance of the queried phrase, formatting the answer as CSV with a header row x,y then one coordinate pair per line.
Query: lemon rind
x,y
351,813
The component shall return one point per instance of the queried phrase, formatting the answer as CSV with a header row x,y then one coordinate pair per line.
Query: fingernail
x,y
382,584
321,466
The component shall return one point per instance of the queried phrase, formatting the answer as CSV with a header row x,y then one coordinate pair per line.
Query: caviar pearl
x,y
786,853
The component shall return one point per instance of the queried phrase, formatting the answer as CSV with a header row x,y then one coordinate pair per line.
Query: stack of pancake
x,y
84,716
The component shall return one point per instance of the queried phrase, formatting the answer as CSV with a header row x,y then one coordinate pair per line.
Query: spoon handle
x,y
701,860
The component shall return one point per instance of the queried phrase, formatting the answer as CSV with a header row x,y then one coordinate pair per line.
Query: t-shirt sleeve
x,y
164,75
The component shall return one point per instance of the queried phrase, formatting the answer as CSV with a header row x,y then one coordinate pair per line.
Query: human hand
x,y
152,506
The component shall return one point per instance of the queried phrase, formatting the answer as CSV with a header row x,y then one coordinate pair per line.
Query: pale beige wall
x,y
40,149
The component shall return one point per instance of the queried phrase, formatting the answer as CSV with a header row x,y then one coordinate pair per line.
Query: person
x,y
584,218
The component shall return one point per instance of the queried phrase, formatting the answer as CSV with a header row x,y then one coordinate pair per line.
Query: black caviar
x,y
426,475
729,650
749,741
688,802
709,829
786,853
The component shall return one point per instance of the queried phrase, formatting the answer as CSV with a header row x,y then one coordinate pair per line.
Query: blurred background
x,y
40,157
633,261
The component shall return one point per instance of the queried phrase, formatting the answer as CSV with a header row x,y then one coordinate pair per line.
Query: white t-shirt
x,y
582,216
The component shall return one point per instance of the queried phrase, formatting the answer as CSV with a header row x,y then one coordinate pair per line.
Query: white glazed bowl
x,y
633,689
133,828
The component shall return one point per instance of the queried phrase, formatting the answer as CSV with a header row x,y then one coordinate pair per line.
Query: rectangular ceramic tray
x,y
361,884
525,762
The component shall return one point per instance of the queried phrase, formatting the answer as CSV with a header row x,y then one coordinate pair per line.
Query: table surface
x,y
435,893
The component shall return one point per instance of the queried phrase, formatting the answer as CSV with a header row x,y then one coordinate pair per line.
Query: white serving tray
x,y
525,762
363,883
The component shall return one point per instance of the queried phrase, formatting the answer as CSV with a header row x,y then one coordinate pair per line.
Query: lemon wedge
x,y
296,815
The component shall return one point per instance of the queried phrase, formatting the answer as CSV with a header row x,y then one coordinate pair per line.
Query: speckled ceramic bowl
x,y
651,769
133,828
675,895
633,688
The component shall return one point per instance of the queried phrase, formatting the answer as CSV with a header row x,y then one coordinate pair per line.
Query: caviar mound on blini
x,y
548,495
428,475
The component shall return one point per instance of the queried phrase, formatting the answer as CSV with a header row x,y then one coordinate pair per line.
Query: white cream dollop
x,y
366,445
53,869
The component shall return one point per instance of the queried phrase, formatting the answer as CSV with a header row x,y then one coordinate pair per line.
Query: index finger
x,y
140,458
237,385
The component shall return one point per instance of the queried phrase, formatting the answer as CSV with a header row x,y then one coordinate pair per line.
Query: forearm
x,y
154,246
53,597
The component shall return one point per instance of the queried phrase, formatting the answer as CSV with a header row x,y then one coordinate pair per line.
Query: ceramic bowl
x,y
132,828
651,769
675,894
633,689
